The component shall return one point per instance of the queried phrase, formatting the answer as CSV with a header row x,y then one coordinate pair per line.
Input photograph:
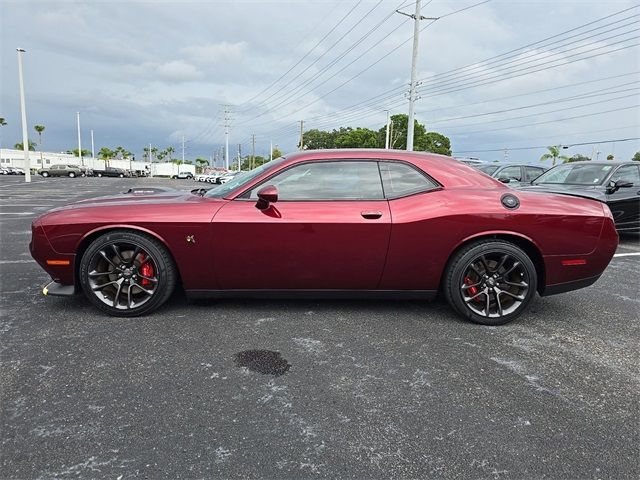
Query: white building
x,y
15,158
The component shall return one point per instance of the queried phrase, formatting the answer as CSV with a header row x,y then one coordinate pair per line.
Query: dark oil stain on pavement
x,y
265,362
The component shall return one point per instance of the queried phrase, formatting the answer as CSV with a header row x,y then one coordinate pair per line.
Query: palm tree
x,y
2,122
169,151
85,152
20,146
40,129
554,152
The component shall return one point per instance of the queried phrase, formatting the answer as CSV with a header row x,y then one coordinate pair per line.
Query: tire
x,y
121,175
490,282
121,270
45,174
72,174
99,175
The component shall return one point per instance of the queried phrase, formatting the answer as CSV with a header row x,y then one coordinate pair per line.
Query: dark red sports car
x,y
331,224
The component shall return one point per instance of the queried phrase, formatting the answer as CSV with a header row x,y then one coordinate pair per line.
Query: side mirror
x,y
504,179
617,185
266,196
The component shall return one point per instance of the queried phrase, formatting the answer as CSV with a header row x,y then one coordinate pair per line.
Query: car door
x,y
625,202
329,229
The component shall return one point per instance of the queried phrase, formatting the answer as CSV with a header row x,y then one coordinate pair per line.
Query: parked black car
x,y
110,172
510,172
615,183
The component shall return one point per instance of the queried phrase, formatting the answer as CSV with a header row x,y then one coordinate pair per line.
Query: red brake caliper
x,y
472,290
146,269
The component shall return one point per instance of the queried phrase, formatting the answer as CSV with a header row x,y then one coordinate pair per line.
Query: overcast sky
x,y
153,71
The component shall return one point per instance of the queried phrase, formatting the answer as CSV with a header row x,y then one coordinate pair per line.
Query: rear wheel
x,y
45,174
72,174
127,274
99,175
490,282
121,175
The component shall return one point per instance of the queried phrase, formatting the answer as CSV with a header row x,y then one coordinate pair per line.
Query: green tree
x,y
3,122
39,129
358,138
636,157
85,153
433,142
201,163
610,157
554,153
176,161
315,139
20,146
578,158
106,153
169,151
276,153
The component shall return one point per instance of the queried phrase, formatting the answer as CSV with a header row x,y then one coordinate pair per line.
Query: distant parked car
x,y
226,177
183,175
15,171
510,172
4,171
110,172
615,183
61,170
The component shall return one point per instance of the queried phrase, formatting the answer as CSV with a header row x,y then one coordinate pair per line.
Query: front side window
x,y
583,173
532,172
341,180
628,173
400,180
513,173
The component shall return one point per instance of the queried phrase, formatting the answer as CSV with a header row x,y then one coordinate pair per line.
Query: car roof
x,y
446,170
601,162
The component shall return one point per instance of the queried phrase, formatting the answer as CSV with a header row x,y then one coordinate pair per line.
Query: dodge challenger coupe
x,y
330,223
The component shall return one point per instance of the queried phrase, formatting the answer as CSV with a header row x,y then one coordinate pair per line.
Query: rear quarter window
x,y
400,180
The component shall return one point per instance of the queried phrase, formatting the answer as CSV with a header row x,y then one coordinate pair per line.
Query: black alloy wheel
x,y
127,274
45,174
490,282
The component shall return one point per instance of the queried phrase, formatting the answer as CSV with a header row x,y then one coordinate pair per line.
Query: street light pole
x,y
93,150
79,140
23,110
386,142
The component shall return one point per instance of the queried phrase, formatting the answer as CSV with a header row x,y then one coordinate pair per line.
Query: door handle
x,y
371,215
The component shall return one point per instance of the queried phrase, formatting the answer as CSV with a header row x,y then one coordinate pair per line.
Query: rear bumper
x,y
56,289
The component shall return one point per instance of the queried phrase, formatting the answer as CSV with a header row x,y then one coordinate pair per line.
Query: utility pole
x,y
301,134
253,150
239,156
182,148
23,110
271,150
414,67
227,120
386,142
506,154
93,150
150,162
79,139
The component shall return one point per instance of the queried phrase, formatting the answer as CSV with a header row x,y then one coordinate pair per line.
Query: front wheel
x,y
121,175
126,274
45,174
490,282
71,174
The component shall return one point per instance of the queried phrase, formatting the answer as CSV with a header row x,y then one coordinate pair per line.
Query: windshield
x,y
241,178
576,174
488,169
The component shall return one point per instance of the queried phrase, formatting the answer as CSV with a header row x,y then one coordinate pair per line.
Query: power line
x,y
305,55
545,146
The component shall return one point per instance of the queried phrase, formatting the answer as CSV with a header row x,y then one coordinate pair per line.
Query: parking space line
x,y
627,254
3,262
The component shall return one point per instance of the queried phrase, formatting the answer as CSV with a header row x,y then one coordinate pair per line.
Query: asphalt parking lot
x,y
370,389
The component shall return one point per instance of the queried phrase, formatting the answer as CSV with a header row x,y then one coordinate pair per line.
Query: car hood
x,y
133,197
594,192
